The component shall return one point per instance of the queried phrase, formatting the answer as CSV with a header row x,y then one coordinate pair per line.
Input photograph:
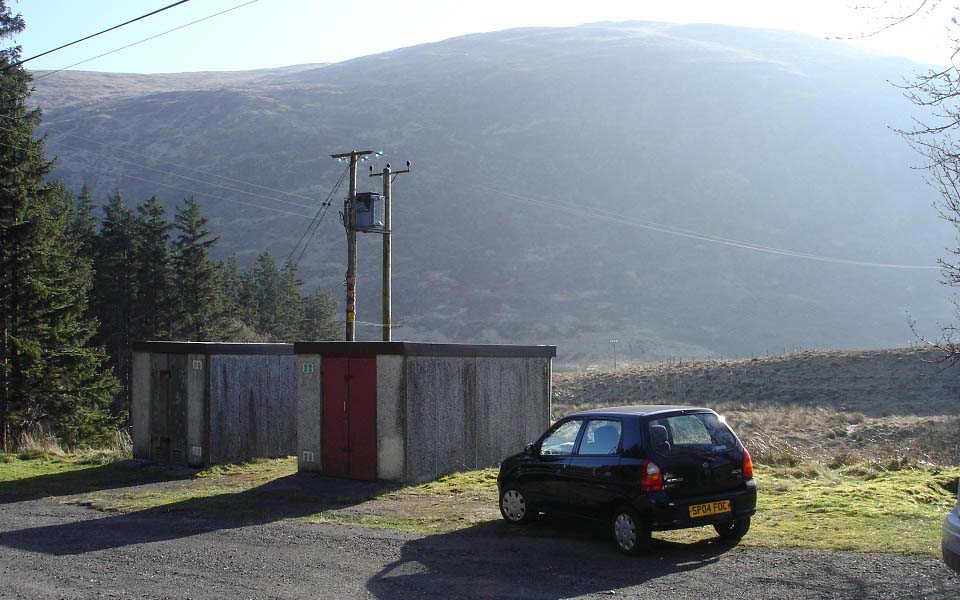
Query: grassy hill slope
x,y
839,406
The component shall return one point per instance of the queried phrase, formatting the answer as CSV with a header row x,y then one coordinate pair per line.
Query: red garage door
x,y
349,430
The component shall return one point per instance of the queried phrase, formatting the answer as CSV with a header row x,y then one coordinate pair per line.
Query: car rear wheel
x,y
630,534
732,531
515,508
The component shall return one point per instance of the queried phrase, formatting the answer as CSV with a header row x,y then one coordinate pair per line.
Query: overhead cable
x,y
147,39
704,237
83,39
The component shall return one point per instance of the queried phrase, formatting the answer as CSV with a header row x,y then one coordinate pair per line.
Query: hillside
x,y
563,179
897,402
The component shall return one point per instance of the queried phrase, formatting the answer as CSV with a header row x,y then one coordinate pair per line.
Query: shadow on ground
x,y
548,559
296,495
115,475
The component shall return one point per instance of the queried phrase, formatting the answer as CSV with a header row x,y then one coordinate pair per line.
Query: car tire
x,y
630,534
733,531
514,507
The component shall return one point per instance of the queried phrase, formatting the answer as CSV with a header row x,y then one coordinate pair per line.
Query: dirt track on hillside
x,y
49,550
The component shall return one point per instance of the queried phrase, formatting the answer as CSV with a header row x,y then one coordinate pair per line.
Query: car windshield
x,y
698,432
561,439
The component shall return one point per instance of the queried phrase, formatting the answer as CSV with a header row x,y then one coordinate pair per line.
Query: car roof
x,y
645,409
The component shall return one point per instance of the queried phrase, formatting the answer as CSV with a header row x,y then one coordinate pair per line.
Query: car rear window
x,y
693,432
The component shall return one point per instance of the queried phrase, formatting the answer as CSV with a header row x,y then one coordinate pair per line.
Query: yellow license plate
x,y
709,508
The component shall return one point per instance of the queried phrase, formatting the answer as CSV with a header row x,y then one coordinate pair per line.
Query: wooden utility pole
x,y
388,176
351,226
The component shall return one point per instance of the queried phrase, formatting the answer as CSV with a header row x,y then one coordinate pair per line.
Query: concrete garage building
x,y
202,403
405,411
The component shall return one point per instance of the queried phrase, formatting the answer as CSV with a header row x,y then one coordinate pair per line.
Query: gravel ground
x,y
49,550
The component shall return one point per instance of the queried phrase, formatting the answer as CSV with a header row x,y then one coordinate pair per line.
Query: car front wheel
x,y
515,508
732,531
630,534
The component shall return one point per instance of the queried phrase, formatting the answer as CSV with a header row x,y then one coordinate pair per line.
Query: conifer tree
x,y
82,227
114,292
197,297
290,305
318,324
48,375
265,282
151,266
231,280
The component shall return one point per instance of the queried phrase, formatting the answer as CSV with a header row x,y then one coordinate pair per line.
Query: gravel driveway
x,y
50,550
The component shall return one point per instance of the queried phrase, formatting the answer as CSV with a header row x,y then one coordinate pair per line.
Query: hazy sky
x,y
270,33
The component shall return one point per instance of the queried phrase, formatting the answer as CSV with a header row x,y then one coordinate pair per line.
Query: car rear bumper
x,y
666,513
951,540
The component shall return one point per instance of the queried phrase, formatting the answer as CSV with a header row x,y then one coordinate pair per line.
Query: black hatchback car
x,y
641,468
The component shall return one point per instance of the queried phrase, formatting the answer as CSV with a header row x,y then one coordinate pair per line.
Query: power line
x,y
191,191
704,237
150,14
147,39
173,164
193,179
204,194
208,173
315,222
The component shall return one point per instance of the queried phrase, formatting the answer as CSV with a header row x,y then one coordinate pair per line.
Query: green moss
x,y
859,508
862,507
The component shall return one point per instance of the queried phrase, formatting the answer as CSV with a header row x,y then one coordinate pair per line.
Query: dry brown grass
x,y
839,407
37,442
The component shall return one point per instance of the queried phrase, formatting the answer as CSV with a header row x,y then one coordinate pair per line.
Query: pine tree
x,y
231,283
82,227
318,323
290,305
151,267
197,296
48,375
114,292
266,280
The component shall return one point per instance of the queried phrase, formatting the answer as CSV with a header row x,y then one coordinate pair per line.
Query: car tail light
x,y
651,480
747,465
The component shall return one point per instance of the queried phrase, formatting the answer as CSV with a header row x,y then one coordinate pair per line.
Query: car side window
x,y
601,438
560,441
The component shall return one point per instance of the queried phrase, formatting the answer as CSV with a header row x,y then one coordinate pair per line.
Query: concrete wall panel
x,y
287,429
177,404
391,418
251,413
197,426
435,416
140,405
513,408
309,414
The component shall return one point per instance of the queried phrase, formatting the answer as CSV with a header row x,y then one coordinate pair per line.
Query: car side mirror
x,y
659,438
528,450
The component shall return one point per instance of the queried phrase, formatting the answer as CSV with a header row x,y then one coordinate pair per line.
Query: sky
x,y
274,33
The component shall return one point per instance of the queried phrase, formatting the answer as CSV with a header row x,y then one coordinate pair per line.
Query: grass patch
x,y
29,475
862,507
858,508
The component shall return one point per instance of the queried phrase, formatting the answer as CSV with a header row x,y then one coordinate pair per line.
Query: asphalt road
x,y
49,550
